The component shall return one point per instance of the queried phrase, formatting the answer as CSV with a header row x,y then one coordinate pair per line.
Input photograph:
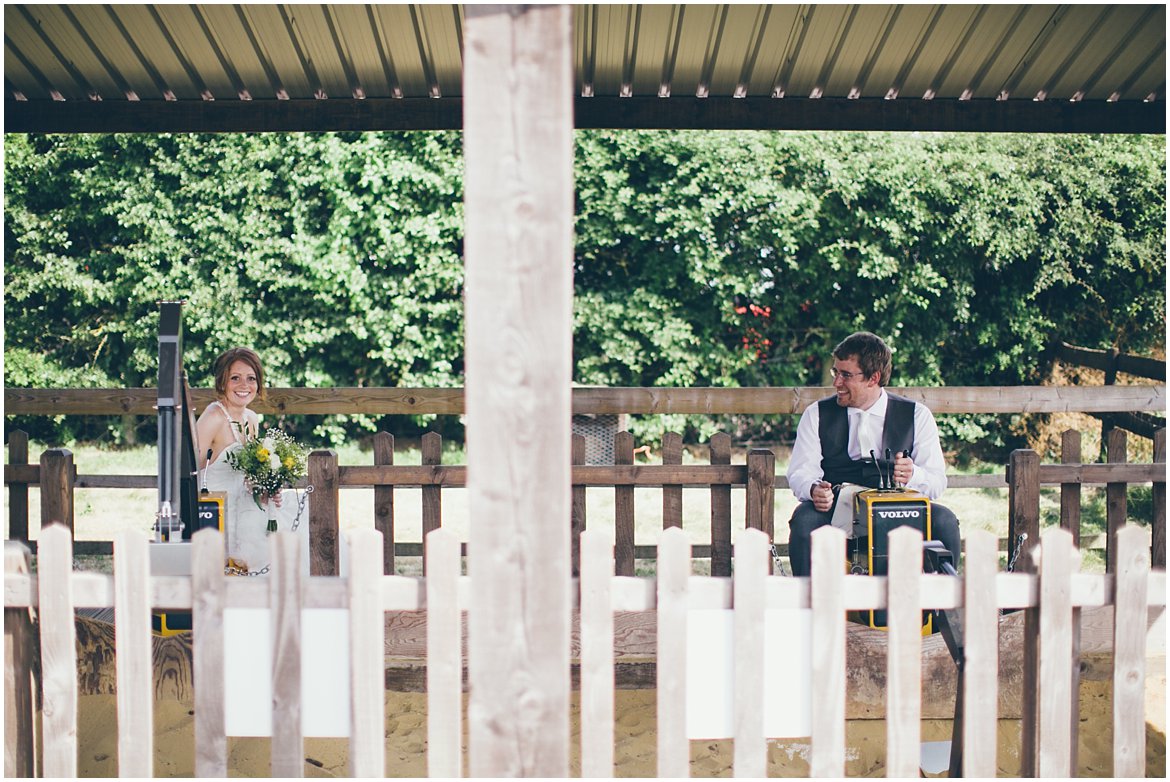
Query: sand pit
x,y
635,740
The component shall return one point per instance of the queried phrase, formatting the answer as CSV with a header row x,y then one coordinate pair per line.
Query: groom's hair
x,y
223,365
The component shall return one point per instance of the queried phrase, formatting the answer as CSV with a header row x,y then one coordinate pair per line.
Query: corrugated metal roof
x,y
226,53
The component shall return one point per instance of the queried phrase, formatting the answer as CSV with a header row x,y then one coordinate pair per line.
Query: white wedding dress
x,y
246,524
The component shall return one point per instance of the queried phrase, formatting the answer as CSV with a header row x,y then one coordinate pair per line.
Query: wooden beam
x,y
672,113
518,195
601,401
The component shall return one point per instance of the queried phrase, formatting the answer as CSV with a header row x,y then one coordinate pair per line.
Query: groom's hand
x,y
822,496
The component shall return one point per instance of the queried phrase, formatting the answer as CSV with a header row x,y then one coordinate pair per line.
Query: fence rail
x,y
600,401
1050,596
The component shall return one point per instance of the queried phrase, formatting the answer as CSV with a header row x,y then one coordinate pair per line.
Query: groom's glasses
x,y
846,376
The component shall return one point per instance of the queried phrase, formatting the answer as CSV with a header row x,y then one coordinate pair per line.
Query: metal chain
x,y
1011,566
780,567
303,499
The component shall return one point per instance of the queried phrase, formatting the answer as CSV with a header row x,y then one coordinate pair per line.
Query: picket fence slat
x,y
981,650
58,651
367,631
674,570
623,508
597,675
207,580
133,655
904,653
20,696
284,584
1129,653
672,504
828,653
720,508
444,656
1056,643
751,573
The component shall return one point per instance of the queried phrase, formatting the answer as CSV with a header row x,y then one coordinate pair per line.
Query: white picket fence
x,y
1051,595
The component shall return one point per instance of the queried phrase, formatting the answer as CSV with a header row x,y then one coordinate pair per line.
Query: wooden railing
x,y
1052,596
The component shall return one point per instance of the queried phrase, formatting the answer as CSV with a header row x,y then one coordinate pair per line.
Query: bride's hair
x,y
223,365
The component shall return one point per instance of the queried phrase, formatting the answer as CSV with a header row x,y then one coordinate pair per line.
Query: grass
x,y
100,513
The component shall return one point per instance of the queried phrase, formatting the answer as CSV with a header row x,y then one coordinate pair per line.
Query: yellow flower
x,y
289,462
262,453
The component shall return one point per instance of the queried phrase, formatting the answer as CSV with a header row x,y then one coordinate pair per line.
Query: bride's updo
x,y
223,365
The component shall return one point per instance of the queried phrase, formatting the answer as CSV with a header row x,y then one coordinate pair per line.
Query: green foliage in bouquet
x,y
270,463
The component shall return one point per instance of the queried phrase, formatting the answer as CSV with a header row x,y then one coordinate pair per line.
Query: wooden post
x,y
518,195
671,494
720,509
1056,713
761,491
1023,503
828,653
432,496
1115,500
384,501
58,650
324,507
1158,531
285,597
19,681
1070,493
597,695
1129,653
208,590
904,662
444,657
623,509
981,634
750,596
18,492
133,659
579,504
1107,429
674,571
367,644
57,476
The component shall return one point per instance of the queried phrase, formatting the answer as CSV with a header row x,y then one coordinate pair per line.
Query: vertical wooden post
x,y
367,644
384,501
1107,420
57,476
981,634
828,653
904,659
18,492
207,605
579,504
597,695
1129,653
1115,500
721,509
1158,531
285,600
1023,502
674,571
1056,713
432,495
58,650
133,659
671,493
761,491
750,596
19,682
1070,493
518,194
324,507
444,657
623,509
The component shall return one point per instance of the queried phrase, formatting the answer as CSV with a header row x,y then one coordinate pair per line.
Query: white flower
x,y
273,460
269,445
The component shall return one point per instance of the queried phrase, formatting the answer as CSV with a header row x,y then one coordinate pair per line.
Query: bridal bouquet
x,y
269,463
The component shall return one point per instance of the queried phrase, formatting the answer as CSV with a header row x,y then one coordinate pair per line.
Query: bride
x,y
224,426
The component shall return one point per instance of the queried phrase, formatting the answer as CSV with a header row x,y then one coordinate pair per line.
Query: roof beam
x,y
714,113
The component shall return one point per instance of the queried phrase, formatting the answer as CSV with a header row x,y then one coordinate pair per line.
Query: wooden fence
x,y
57,477
1050,596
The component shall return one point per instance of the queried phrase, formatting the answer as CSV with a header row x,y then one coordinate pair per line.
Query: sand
x,y
635,741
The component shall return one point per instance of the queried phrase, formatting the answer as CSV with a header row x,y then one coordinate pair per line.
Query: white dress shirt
x,y
804,468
